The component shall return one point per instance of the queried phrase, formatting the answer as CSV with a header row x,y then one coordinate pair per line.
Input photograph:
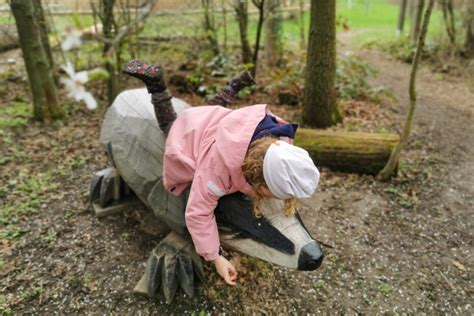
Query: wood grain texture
x,y
365,153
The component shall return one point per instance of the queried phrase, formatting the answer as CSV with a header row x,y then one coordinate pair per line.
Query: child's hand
x,y
226,270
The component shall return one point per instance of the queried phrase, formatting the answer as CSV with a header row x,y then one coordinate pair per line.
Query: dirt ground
x,y
402,246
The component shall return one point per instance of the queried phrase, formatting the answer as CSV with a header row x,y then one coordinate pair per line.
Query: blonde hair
x,y
252,168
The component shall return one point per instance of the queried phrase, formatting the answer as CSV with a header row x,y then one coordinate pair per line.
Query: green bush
x,y
352,74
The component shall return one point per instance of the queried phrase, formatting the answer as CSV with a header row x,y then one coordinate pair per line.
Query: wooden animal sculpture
x,y
135,145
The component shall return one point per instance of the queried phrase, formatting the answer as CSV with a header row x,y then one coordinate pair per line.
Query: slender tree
x,y
302,27
273,32
387,171
401,16
241,10
469,22
210,25
109,29
260,4
320,108
448,16
224,23
43,89
416,20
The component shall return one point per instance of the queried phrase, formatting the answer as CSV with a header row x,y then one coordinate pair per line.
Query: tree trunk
x,y
273,32
401,17
320,108
106,16
395,155
469,22
43,29
416,21
45,98
209,25
448,16
224,23
302,27
241,10
260,4
365,153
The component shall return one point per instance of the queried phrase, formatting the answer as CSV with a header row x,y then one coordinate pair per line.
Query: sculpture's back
x,y
135,145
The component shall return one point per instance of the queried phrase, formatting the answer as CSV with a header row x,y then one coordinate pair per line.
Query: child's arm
x,y
201,222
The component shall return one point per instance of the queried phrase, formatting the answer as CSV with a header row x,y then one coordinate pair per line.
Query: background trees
x,y
259,24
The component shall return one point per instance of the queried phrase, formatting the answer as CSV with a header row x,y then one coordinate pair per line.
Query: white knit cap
x,y
289,172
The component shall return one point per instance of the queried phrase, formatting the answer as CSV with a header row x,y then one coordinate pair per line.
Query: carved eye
x,y
258,224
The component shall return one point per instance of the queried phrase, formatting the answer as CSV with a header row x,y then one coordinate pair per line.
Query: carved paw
x,y
108,193
172,264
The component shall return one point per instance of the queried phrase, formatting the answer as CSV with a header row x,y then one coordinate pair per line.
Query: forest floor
x,y
402,246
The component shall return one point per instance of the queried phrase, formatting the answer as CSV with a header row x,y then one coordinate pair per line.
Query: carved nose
x,y
311,257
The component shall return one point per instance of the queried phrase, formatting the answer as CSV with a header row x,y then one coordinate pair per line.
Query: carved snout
x,y
311,257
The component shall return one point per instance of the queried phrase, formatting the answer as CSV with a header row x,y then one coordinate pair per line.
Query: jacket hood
x,y
234,134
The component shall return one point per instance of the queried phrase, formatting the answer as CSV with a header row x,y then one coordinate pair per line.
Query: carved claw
x,y
108,193
172,264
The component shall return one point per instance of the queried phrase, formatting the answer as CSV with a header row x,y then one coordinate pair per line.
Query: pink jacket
x,y
206,146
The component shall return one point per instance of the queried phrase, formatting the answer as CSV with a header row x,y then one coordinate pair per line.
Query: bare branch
x,y
144,14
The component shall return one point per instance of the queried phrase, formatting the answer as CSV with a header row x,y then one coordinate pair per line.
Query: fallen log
x,y
365,153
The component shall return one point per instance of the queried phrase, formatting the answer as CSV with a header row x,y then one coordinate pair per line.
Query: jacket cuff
x,y
211,256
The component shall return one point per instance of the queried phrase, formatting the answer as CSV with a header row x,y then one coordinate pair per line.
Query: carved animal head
x,y
273,237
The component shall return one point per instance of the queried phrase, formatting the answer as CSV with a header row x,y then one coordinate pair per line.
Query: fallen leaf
x,y
459,265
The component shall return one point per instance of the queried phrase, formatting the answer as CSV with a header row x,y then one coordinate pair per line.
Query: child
x,y
222,151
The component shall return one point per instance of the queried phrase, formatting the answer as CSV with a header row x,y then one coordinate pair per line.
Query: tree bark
x,y
365,153
43,30
109,28
43,89
320,108
401,17
241,10
416,21
273,32
393,161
